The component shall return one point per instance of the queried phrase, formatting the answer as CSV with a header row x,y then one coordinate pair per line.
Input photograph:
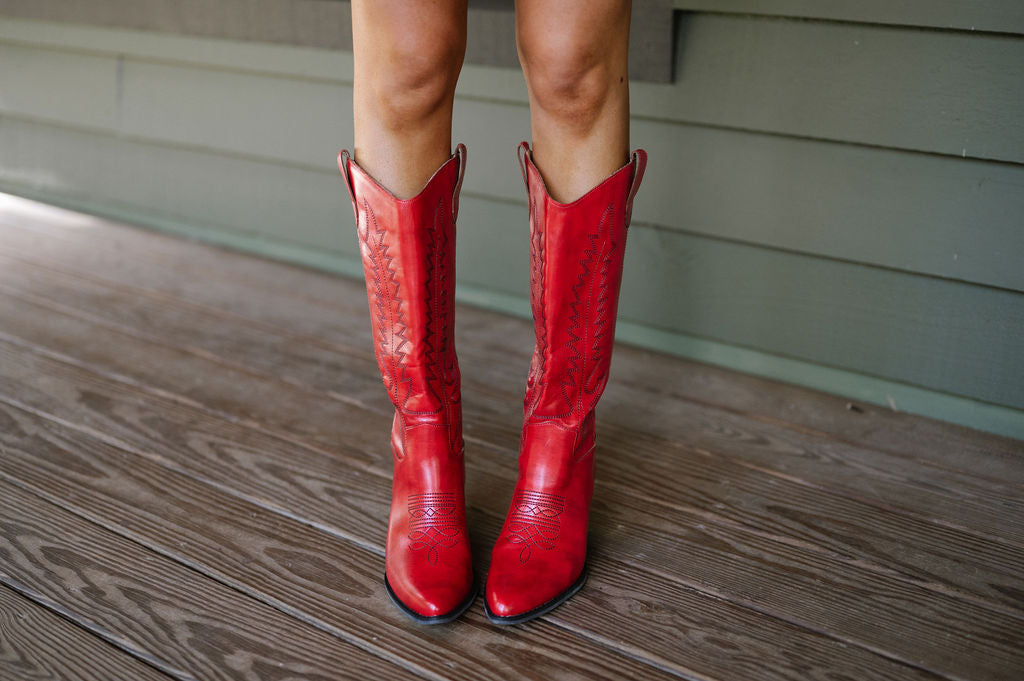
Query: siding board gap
x,y
998,17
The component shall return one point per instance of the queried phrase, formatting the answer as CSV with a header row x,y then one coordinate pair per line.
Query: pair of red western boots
x,y
408,254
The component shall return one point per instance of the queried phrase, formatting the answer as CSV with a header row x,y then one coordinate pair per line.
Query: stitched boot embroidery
x,y
588,336
433,522
386,305
533,521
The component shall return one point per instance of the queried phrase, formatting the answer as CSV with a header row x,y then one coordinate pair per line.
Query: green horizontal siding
x,y
942,92
773,233
1005,16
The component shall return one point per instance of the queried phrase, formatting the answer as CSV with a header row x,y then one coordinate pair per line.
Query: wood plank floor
x,y
195,477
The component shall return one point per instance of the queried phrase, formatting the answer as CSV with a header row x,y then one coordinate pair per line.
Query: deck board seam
x,y
685,674
300,384
171,466
75,618
696,586
22,591
380,652
335,347
673,578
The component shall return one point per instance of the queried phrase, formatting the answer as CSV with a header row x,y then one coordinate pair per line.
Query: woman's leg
x,y
408,54
574,56
581,190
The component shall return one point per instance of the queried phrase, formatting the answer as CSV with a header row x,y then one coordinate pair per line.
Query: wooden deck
x,y
194,482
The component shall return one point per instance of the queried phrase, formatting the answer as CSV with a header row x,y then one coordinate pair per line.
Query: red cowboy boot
x,y
408,253
576,252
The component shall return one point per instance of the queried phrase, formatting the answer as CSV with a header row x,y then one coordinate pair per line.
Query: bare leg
x,y
408,55
574,57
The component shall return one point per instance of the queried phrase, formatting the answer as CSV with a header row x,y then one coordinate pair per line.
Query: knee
x,y
413,79
570,79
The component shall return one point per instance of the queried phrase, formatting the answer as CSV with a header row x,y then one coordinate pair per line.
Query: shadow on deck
x,y
195,478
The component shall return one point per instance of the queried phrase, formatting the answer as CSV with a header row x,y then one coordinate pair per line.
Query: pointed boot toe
x,y
519,595
434,602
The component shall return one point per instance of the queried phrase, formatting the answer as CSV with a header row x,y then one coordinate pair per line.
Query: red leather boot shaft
x,y
576,261
576,258
408,254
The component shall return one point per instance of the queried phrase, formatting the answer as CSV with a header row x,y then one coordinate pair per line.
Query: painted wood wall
x,y
835,195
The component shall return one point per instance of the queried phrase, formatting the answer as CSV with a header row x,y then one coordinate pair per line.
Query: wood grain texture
x,y
243,343
138,383
337,582
38,644
285,408
853,594
157,609
815,313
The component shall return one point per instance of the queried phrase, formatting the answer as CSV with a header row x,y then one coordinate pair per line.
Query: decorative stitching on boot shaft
x,y
533,521
433,338
391,325
588,343
538,361
587,372
433,523
441,373
392,346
